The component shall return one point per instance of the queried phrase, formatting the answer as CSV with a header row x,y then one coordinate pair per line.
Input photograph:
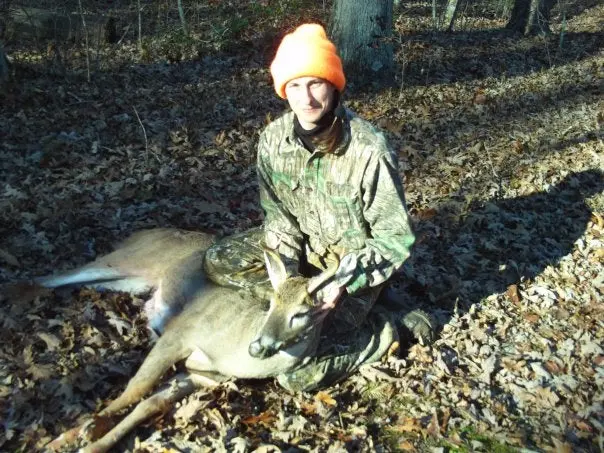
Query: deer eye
x,y
300,319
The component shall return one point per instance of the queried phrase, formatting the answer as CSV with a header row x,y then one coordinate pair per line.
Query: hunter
x,y
329,183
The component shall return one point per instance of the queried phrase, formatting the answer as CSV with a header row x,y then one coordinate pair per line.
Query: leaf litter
x,y
501,155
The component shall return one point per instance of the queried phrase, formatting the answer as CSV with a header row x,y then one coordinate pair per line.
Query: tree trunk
x,y
531,16
4,16
450,15
4,69
181,15
361,31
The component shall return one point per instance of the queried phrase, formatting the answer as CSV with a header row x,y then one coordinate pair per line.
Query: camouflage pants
x,y
355,333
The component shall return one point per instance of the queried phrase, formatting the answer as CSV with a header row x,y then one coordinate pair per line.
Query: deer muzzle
x,y
264,347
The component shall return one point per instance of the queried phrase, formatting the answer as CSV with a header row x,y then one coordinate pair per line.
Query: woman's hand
x,y
332,291
330,294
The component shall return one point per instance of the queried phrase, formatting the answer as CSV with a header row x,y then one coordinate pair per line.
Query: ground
x,y
500,146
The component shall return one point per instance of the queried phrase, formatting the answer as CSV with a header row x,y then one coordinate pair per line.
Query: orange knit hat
x,y
307,52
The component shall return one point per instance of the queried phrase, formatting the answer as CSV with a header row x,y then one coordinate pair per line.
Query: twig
x,y
404,68
144,133
85,39
99,37
497,177
140,27
124,35
80,100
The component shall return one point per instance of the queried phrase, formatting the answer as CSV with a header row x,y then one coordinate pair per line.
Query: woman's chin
x,y
309,121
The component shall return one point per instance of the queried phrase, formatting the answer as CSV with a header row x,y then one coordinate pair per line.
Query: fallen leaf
x,y
513,294
553,367
547,396
191,407
583,426
41,371
308,408
325,398
9,258
266,419
479,97
561,447
433,428
123,326
531,317
488,366
598,254
427,214
597,219
409,425
52,342
405,445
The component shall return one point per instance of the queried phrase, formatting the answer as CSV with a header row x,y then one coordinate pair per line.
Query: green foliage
x,y
172,46
224,33
470,437
222,27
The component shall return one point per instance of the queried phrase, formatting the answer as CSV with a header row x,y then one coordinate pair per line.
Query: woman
x,y
328,183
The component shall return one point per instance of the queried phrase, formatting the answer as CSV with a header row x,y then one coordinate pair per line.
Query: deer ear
x,y
275,268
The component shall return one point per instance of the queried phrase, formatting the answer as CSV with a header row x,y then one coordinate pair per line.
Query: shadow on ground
x,y
463,257
433,58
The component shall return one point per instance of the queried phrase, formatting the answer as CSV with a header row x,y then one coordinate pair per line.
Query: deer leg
x,y
65,439
178,388
166,352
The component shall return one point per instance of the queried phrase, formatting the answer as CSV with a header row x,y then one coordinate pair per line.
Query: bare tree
x,y
450,15
85,28
530,16
4,13
181,15
4,69
140,26
362,31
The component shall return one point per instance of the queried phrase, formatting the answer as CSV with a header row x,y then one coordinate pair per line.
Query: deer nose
x,y
263,348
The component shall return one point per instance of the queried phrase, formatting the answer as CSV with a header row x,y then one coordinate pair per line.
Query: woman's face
x,y
310,98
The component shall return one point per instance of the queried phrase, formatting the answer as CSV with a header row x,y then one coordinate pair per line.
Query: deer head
x,y
295,310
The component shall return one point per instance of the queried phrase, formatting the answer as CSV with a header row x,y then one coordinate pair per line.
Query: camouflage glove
x,y
421,326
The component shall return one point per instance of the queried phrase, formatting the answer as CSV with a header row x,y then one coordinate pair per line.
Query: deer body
x,y
220,332
200,333
167,261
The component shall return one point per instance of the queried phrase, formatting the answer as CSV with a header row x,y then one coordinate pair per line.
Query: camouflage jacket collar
x,y
292,138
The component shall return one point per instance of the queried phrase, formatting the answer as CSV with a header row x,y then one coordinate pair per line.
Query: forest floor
x,y
500,142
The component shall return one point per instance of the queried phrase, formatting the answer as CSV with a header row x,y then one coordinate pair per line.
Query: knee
x,y
297,381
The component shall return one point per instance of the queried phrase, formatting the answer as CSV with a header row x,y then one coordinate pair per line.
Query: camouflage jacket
x,y
350,201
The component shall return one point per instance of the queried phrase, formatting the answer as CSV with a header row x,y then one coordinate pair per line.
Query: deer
x,y
220,332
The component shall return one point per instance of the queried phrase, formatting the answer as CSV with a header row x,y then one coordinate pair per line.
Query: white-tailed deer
x,y
220,332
